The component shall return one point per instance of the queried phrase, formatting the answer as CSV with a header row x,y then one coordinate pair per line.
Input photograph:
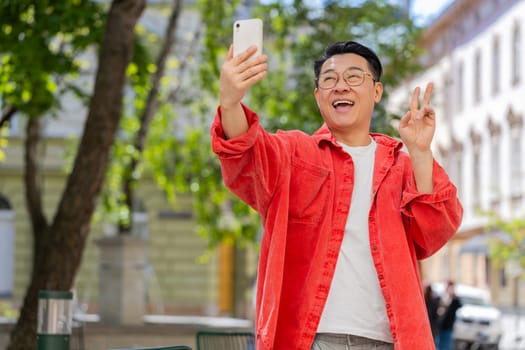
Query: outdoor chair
x,y
172,347
225,340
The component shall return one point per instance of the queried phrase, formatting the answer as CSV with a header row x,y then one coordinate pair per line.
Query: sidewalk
x,y
513,324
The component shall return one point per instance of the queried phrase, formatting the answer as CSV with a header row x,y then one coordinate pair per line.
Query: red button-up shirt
x,y
301,185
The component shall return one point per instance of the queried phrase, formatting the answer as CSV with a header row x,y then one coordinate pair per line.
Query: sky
x,y
423,11
426,10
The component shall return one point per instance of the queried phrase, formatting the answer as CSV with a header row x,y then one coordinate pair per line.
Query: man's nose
x,y
341,85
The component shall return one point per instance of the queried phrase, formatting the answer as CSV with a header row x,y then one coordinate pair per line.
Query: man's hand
x,y
417,130
418,125
238,74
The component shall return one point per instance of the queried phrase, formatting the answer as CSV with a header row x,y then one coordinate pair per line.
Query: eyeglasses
x,y
351,76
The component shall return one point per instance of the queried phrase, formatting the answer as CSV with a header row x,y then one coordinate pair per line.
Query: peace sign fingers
x,y
414,104
425,104
428,94
417,127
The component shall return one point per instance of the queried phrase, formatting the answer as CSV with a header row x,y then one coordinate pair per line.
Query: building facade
x,y
475,56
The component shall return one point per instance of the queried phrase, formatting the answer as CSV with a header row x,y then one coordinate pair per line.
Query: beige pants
x,y
328,341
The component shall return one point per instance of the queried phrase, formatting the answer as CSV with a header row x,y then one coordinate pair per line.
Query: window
x,y
458,176
477,77
448,92
495,142
502,277
459,87
515,161
515,158
495,66
476,183
516,55
457,164
7,246
476,171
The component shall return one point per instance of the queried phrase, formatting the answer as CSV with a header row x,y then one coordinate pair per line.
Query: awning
x,y
479,244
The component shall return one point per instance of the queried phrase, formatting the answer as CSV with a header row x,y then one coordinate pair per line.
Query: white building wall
x,y
456,123
464,30
475,116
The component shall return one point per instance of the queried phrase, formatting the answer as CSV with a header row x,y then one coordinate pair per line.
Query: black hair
x,y
343,47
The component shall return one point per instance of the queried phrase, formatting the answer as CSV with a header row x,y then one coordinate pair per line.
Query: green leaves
x,y
3,142
508,246
39,44
42,45
295,35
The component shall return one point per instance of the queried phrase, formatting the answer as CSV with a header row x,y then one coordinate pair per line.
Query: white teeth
x,y
337,103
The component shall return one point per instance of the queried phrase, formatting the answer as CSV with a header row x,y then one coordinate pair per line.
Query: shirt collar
x,y
323,134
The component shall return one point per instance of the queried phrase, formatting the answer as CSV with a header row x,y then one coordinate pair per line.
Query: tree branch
x,y
32,175
150,107
7,114
172,97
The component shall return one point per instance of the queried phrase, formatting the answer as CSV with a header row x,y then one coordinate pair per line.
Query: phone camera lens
x,y
238,25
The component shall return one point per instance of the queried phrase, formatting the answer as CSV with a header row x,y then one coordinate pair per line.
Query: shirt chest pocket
x,y
309,192
390,192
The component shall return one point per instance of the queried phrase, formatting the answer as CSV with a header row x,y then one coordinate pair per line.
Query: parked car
x,y
478,322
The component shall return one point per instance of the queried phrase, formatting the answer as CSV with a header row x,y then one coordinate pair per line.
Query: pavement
x,y
513,331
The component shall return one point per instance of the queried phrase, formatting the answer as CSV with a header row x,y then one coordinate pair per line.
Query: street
x,y
513,332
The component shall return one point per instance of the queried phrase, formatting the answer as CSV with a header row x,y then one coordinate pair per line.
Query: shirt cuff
x,y
222,145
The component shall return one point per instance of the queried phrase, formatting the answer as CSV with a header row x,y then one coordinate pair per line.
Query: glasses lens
x,y
327,80
354,77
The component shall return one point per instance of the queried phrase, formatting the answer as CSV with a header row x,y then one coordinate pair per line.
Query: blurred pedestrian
x,y
432,304
449,303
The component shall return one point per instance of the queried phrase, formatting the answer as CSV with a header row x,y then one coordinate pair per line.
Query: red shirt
x,y
301,185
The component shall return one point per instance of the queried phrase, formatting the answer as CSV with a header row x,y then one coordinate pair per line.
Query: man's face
x,y
347,110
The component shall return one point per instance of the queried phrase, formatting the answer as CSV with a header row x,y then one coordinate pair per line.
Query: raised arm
x,y
416,129
238,74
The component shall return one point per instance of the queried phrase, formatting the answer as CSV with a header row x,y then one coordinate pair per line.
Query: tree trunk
x,y
58,249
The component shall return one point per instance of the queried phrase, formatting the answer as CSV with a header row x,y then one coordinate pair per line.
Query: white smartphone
x,y
247,32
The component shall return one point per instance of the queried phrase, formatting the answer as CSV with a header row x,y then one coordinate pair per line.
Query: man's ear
x,y
316,96
378,92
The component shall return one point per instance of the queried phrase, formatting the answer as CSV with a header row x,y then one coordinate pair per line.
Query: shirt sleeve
x,y
250,163
431,219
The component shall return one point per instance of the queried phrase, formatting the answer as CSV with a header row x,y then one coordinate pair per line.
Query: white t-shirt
x,y
355,304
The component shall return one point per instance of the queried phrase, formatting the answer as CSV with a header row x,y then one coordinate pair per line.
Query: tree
x,y
150,112
28,85
3,142
38,43
508,248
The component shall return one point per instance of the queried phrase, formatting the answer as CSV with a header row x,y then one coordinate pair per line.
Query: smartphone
x,y
247,32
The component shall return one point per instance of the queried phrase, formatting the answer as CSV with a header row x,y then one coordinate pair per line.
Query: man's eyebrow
x,y
330,70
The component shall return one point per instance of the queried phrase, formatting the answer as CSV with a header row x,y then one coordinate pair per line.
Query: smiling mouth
x,y
342,104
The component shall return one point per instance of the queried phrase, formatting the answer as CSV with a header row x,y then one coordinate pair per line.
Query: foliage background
x,y
295,35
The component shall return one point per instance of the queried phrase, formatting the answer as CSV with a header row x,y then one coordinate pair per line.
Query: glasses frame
x,y
362,72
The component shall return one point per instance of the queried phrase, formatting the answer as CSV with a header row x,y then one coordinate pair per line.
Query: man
x,y
449,303
432,303
346,212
